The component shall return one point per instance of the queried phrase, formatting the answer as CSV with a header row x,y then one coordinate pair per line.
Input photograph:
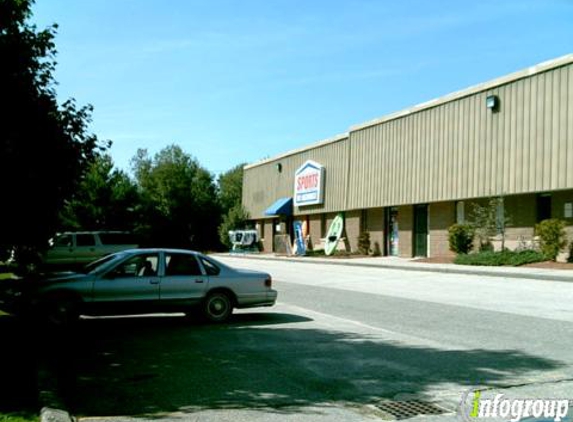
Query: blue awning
x,y
282,206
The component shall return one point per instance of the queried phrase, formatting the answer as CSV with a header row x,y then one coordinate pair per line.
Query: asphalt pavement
x,y
341,342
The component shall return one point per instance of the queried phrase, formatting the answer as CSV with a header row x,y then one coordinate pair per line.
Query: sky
x,y
236,81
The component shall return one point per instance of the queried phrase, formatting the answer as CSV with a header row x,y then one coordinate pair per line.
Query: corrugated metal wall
x,y
452,151
461,149
264,184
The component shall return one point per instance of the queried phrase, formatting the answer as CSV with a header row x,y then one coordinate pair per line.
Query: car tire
x,y
217,307
60,311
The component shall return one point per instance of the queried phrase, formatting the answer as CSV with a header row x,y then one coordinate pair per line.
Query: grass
x,y
18,417
502,258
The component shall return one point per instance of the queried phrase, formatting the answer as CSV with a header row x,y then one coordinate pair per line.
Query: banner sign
x,y
308,184
299,241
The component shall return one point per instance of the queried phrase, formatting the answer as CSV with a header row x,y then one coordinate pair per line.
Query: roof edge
x,y
314,145
466,92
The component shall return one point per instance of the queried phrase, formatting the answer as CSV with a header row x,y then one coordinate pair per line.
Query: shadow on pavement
x,y
137,366
18,369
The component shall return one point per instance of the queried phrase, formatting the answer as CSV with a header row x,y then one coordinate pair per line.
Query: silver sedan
x,y
141,281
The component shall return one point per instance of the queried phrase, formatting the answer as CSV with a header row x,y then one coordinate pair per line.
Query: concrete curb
x,y
437,269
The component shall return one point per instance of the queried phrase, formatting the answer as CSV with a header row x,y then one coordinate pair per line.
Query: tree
x,y
45,147
231,188
230,199
490,220
179,205
106,199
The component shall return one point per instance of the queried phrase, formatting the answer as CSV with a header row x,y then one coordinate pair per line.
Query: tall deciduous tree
x,y
234,216
179,205
231,188
106,199
44,147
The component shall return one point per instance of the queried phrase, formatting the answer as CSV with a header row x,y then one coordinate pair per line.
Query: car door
x,y
183,283
132,286
62,250
86,248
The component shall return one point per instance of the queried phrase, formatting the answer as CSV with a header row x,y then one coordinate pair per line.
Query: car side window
x,y
85,240
137,266
65,241
181,264
210,267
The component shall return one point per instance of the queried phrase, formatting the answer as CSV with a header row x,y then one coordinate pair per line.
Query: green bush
x,y
364,243
553,237
506,257
461,238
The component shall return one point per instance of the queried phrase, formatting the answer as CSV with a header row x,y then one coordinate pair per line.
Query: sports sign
x,y
309,184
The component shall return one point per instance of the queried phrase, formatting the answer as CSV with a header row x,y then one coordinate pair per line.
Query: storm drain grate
x,y
409,409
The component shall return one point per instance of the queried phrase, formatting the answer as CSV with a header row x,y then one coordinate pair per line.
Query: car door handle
x,y
198,281
153,281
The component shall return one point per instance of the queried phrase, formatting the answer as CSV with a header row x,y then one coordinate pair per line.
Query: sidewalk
x,y
411,264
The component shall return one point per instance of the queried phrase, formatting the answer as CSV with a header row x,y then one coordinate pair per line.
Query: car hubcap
x,y
218,307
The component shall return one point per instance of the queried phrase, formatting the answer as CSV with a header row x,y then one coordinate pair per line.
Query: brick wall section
x,y
375,225
352,228
314,230
442,216
405,227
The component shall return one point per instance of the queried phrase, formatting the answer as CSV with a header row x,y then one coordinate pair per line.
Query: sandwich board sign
x,y
309,184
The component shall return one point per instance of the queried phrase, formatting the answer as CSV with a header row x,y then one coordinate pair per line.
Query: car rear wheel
x,y
218,307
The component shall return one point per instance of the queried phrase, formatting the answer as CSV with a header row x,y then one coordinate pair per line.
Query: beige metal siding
x,y
460,149
263,184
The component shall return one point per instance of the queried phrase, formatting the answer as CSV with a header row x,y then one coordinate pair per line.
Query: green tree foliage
x,y
230,199
231,188
461,238
45,147
179,205
553,237
236,218
106,199
490,220
364,243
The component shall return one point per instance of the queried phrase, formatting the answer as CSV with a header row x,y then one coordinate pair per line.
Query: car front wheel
x,y
218,307
61,311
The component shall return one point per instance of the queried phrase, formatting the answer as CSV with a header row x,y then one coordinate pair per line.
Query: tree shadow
x,y
18,368
262,360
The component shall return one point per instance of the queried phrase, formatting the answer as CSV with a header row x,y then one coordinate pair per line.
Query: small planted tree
x,y
364,243
490,220
552,236
461,238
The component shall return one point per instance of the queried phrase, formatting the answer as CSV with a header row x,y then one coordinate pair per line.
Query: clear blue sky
x,y
237,81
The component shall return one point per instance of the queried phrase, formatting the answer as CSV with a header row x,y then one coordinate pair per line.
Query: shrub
x,y
553,237
461,238
364,243
510,258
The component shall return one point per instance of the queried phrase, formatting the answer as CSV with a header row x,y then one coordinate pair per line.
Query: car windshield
x,y
100,264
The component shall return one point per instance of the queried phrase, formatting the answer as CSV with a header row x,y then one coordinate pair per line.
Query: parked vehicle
x,y
140,281
80,248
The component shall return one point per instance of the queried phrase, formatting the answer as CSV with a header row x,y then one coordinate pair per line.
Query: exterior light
x,y
279,167
492,102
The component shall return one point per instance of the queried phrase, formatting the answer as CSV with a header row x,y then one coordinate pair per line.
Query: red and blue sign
x,y
309,184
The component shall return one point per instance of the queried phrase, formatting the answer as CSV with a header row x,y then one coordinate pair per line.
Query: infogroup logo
x,y
474,407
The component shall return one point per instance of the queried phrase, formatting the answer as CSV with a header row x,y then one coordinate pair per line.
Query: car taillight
x,y
269,282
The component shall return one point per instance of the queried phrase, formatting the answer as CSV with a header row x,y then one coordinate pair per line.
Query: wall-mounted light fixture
x,y
279,167
492,102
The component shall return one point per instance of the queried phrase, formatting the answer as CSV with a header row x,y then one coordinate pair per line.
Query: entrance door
x,y
391,232
421,230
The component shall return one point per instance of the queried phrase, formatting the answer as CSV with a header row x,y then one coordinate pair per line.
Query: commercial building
x,y
406,177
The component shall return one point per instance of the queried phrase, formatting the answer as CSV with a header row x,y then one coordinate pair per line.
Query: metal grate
x,y
409,409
